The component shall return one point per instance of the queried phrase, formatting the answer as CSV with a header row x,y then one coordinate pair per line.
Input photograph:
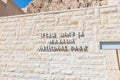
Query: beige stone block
x,y
79,13
57,77
29,47
72,78
90,11
40,71
39,58
67,72
3,78
108,10
74,22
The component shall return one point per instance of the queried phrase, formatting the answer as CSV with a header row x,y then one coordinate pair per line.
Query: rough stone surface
x,y
56,5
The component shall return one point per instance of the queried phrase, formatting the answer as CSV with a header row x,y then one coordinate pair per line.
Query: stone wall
x,y
8,7
58,45
56,5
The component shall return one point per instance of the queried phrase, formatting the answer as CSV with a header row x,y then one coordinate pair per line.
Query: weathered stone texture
x,y
20,39
56,5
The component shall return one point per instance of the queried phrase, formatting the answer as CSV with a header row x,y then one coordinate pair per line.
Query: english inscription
x,y
62,42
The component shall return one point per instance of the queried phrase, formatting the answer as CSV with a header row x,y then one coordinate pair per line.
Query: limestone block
x,y
3,78
108,10
72,78
67,72
58,77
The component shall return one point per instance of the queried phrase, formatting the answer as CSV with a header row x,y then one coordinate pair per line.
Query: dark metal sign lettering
x,y
62,42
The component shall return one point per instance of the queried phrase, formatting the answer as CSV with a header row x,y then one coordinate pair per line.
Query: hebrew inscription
x,y
62,42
